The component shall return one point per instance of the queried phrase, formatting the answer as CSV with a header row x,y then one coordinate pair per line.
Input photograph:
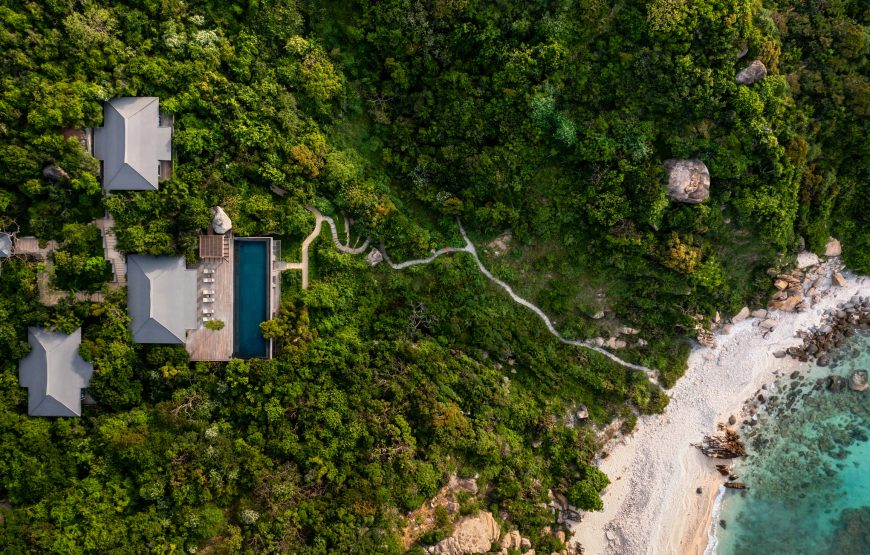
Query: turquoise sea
x,y
808,469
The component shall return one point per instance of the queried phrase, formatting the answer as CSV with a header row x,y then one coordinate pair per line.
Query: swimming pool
x,y
251,297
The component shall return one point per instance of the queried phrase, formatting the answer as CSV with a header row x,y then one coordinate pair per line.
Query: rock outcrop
x,y
740,316
375,257
833,248
55,173
688,181
473,534
755,72
220,223
805,259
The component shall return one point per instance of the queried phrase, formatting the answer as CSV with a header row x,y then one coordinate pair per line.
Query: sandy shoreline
x,y
651,506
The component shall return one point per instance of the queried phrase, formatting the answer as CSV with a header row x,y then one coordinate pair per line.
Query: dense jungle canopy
x,y
550,119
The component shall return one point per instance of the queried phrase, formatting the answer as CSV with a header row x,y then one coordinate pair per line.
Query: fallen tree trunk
x,y
722,446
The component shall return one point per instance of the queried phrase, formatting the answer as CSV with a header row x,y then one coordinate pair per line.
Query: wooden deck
x,y
203,343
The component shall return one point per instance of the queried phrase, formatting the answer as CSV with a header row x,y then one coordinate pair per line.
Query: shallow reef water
x,y
808,467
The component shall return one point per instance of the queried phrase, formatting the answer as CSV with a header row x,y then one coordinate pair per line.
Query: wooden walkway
x,y
203,343
110,249
30,246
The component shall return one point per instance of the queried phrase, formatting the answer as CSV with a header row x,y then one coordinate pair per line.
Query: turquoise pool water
x,y
251,297
808,470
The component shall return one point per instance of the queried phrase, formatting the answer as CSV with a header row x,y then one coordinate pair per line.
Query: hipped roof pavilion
x,y
161,298
131,144
54,373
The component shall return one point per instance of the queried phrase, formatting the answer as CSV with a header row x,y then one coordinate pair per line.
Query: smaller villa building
x,y
134,144
161,298
54,373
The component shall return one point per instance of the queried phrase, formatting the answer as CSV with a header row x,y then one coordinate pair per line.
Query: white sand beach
x,y
651,506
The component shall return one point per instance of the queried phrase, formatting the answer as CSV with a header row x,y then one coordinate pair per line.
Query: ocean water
x,y
808,469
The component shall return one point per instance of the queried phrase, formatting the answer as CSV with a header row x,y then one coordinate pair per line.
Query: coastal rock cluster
x,y
836,327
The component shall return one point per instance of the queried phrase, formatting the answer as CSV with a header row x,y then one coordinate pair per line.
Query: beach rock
x,y
858,380
598,315
789,304
838,279
525,543
740,316
805,259
780,284
726,329
767,324
779,354
688,181
55,173
583,412
760,313
732,420
698,491
625,330
833,248
753,73
220,223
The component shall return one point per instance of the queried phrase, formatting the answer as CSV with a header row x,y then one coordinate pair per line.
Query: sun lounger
x,y
208,280
208,300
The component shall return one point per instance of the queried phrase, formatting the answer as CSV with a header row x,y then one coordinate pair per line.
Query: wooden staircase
x,y
110,249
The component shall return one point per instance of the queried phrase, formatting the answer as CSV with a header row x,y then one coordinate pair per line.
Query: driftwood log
x,y
735,485
726,445
723,469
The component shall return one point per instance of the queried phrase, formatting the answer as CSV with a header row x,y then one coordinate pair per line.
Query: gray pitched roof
x,y
131,143
5,245
161,298
54,373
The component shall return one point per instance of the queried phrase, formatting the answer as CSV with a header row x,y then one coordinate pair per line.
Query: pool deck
x,y
205,344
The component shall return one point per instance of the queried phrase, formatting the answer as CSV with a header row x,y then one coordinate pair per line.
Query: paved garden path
x,y
470,249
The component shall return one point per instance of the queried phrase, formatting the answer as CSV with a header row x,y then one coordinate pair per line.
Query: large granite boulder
x,y
472,534
688,180
753,73
221,223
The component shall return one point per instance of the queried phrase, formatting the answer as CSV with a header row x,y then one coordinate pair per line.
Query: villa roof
x,y
131,143
54,373
161,298
5,244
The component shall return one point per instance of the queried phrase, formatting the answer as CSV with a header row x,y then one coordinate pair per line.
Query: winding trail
x,y
470,249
